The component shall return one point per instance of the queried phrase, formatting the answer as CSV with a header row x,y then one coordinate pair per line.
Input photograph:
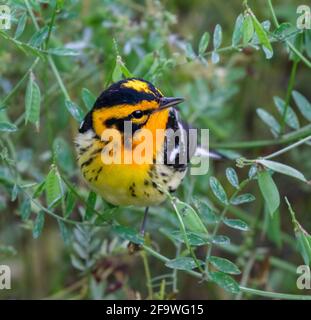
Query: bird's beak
x,y
169,102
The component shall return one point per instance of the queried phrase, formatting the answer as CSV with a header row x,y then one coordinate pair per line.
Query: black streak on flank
x,y
96,151
132,190
87,162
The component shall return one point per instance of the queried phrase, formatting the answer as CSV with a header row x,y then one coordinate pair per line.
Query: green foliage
x,y
269,191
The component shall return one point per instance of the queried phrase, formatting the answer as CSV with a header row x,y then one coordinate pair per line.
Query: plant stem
x,y
275,295
174,275
275,20
148,274
58,78
54,215
288,94
287,138
50,59
51,26
246,274
292,146
19,83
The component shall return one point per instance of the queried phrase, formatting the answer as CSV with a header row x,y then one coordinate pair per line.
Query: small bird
x,y
141,103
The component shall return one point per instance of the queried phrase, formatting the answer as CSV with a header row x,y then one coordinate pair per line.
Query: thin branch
x,y
290,147
287,138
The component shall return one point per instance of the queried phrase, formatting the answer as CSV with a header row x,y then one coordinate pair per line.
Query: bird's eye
x,y
137,114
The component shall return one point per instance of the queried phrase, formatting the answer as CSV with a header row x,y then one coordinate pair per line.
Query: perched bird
x,y
144,106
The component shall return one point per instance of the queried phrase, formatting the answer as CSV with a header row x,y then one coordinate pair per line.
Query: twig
x,y
148,274
288,94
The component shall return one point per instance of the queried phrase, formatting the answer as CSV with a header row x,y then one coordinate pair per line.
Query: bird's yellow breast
x,y
121,183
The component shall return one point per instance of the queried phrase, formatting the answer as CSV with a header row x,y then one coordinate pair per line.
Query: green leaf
x,y
269,191
7,251
21,26
303,104
63,52
32,101
232,177
304,246
290,118
224,265
70,204
248,29
91,201
206,211
273,227
25,209
190,217
63,155
215,57
218,190
120,69
117,73
237,32
220,240
77,263
284,30
268,119
38,225
217,36
39,189
194,239
53,188
7,127
15,192
128,234
190,54
38,37
224,281
88,98
125,71
106,216
262,34
74,110
282,168
252,171
203,43
236,224
64,231
183,263
243,198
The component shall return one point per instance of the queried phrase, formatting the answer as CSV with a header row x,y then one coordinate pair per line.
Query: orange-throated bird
x,y
141,103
